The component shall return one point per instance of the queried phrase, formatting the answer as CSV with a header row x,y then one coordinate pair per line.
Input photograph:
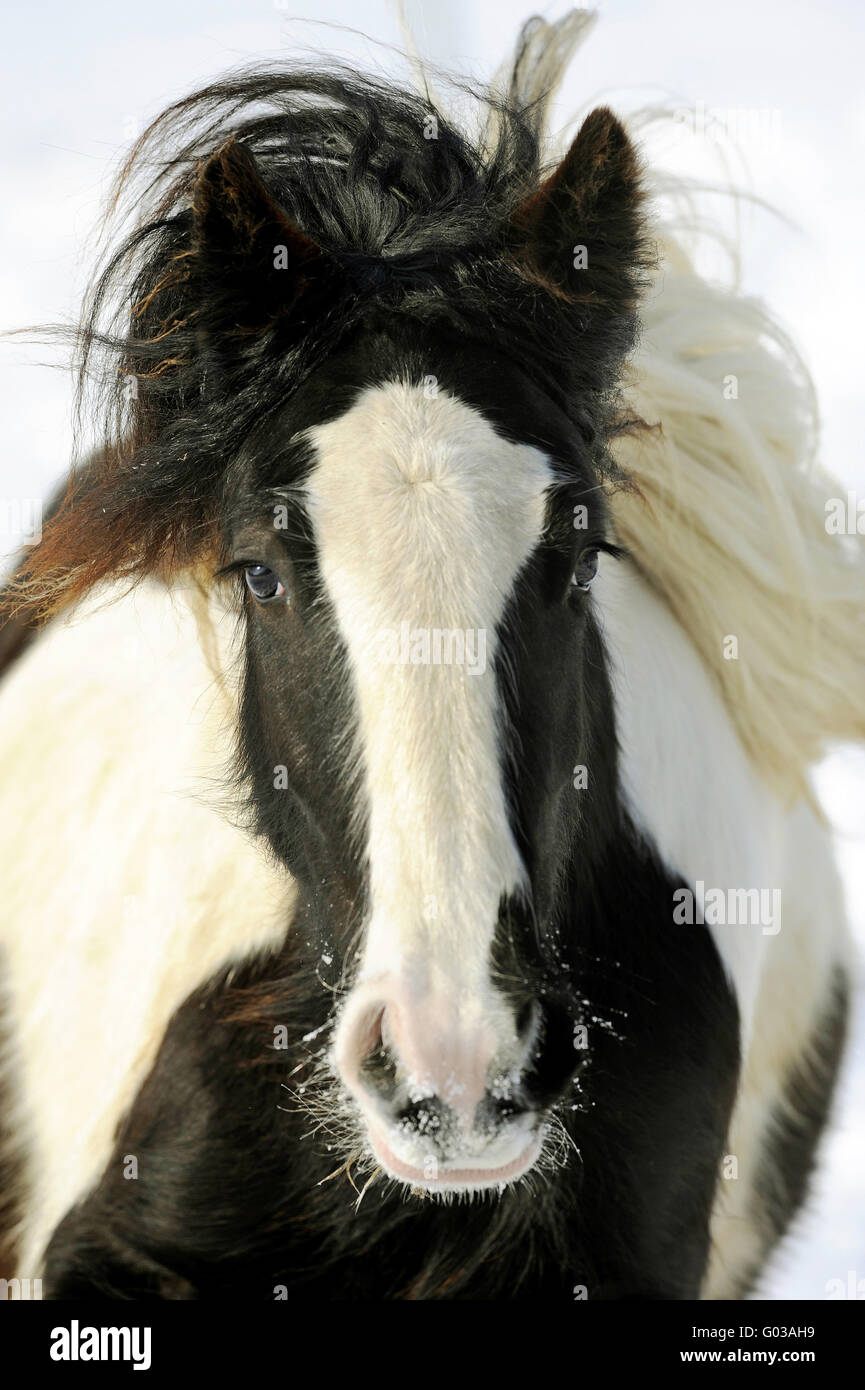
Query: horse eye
x,y
262,583
586,570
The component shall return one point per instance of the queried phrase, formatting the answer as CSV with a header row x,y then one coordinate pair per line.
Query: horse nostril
x,y
410,1059
378,1069
429,1118
495,1112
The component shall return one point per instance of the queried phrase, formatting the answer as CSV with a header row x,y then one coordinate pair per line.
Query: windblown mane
x,y
726,512
727,515
414,215
729,524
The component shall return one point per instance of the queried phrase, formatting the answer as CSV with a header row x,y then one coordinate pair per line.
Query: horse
x,y
414,886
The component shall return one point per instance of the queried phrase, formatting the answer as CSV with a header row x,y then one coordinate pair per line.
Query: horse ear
x,y
249,258
581,233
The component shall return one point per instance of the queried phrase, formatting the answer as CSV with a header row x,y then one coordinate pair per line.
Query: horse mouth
x,y
504,1162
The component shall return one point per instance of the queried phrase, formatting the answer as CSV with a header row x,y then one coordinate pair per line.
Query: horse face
x,y
381,401
422,663
420,642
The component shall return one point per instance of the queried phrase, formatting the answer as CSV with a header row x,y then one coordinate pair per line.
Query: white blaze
x,y
424,517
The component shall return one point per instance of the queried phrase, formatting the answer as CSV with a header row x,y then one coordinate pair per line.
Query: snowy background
x,y
81,81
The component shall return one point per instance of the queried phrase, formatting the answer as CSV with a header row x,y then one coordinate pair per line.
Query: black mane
x,y
415,223
419,221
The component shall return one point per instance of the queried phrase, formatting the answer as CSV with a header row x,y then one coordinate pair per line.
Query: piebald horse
x,y
413,886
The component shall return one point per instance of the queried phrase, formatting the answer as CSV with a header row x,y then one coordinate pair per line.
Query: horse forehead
x,y
406,477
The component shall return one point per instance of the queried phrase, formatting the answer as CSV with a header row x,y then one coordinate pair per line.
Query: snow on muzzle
x,y
437,1078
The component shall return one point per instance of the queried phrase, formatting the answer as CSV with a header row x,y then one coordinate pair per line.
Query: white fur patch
x,y
424,516
124,887
696,796
685,776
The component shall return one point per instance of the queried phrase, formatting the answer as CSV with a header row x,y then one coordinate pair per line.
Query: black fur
x,y
795,1128
228,1203
193,337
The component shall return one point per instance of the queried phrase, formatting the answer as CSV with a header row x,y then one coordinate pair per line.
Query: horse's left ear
x,y
581,233
248,255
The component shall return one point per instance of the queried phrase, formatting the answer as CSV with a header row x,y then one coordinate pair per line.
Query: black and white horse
x,y
402,899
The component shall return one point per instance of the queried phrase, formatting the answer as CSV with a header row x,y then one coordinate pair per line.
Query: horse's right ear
x,y
581,233
250,262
